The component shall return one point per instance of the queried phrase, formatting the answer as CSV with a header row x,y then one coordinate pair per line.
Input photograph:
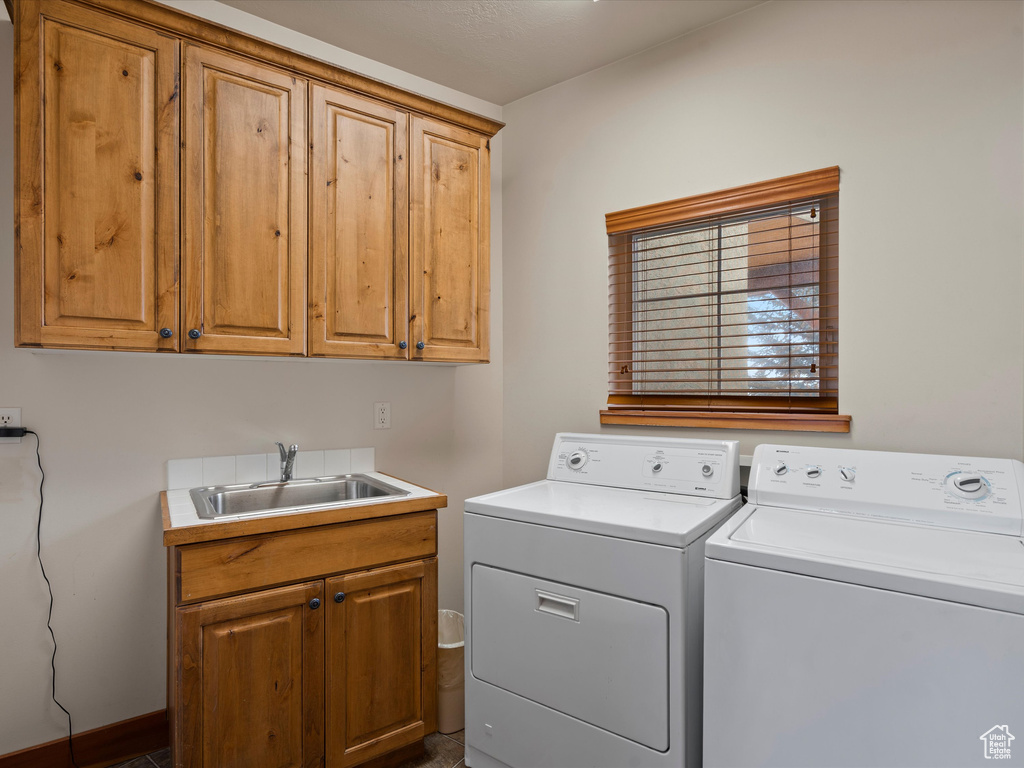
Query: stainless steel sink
x,y
295,495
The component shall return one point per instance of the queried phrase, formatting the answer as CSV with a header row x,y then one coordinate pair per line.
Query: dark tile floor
x,y
442,752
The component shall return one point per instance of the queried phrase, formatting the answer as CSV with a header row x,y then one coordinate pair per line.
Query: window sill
x,y
783,422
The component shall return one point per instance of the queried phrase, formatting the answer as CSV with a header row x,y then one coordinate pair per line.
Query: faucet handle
x,y
284,454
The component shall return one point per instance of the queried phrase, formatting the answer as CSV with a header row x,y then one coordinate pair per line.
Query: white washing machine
x,y
867,609
583,605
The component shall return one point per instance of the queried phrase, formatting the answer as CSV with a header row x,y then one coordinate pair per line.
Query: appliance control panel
x,y
965,493
669,465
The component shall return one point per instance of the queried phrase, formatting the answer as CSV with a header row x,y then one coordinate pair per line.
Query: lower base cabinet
x,y
380,624
252,679
334,671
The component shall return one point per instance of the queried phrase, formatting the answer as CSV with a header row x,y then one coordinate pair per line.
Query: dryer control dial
x,y
577,459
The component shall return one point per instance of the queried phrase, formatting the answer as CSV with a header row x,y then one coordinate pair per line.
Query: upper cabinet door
x,y
244,199
450,243
97,212
359,230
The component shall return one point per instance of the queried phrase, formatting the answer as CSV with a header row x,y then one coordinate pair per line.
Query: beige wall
x,y
109,422
919,103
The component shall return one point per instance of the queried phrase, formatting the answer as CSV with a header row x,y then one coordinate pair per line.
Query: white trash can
x,y
451,646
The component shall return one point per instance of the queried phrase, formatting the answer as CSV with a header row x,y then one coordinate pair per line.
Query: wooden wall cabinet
x,y
125,107
359,225
97,180
450,251
400,252
244,206
310,647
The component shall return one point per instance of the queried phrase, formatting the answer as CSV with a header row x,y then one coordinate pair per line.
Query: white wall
x,y
919,103
109,422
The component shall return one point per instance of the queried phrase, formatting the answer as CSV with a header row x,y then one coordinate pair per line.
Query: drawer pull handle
x,y
339,597
314,603
558,605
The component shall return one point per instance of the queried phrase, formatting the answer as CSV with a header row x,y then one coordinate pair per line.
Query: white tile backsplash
x,y
259,467
362,460
218,470
273,467
308,464
251,468
338,462
184,473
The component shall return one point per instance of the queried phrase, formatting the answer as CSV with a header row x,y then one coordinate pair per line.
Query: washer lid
x,y
961,566
670,519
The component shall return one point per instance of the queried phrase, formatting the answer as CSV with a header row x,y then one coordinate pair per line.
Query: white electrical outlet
x,y
10,417
382,415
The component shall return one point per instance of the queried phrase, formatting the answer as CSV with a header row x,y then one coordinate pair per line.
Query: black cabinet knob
x,y
402,344
314,603
339,597
420,345
166,333
194,334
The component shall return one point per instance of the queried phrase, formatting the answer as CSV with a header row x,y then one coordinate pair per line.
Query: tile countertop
x,y
182,525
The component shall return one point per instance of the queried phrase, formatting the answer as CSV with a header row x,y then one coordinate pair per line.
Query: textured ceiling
x,y
496,50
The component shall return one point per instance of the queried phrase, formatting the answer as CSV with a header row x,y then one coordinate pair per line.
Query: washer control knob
x,y
780,468
848,474
657,466
969,485
577,459
813,472
707,470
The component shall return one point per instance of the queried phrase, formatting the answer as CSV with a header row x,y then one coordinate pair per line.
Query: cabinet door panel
x,y
381,673
450,242
359,227
252,681
245,206
98,257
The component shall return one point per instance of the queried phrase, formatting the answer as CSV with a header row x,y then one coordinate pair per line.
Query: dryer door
x,y
596,657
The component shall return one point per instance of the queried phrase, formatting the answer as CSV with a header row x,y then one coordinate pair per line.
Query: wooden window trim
x,y
735,200
673,412
782,422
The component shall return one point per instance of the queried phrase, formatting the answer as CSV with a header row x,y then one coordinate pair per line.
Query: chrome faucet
x,y
287,461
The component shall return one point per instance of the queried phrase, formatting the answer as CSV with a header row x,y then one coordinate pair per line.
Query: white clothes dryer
x,y
867,609
583,605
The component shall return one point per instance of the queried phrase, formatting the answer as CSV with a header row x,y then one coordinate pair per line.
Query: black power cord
x,y
18,432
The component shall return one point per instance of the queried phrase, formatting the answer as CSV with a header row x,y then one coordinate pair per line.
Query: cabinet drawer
x,y
252,562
